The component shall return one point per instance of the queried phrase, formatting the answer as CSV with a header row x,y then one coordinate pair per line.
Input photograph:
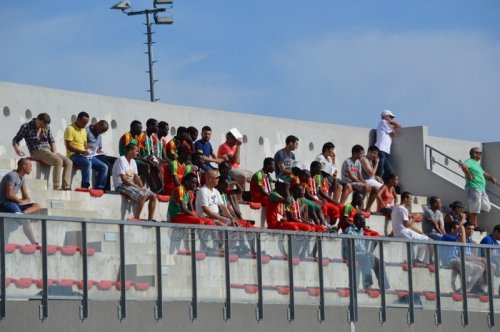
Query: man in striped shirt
x,y
261,183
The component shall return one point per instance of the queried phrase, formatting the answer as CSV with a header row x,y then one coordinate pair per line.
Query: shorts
x,y
478,200
134,193
411,234
237,174
373,183
357,186
13,207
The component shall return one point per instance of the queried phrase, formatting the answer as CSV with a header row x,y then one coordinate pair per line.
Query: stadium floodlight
x,y
163,2
126,7
123,6
164,19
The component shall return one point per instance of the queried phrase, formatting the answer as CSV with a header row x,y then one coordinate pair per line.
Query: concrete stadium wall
x,y
264,135
23,316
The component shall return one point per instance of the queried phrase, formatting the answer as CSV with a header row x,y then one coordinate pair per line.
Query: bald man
x,y
10,186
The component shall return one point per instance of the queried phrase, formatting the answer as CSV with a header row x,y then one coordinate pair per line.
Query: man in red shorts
x,y
177,169
319,189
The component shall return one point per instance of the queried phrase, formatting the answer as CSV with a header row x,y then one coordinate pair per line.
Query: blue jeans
x,y
13,207
384,166
86,166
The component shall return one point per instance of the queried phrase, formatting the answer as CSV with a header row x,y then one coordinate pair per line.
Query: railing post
x,y
383,304
491,314
353,283
193,310
122,308
44,307
321,310
84,307
259,311
463,279
159,281
227,307
437,316
3,296
411,306
291,306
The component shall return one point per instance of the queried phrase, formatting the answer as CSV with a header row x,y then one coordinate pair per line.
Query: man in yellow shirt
x,y
75,140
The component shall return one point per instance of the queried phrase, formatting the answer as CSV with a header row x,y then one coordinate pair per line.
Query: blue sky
x,y
433,63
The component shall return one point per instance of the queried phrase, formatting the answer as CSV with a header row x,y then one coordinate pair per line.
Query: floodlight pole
x,y
150,42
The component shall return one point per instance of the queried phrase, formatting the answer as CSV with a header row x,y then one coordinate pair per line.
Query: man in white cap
x,y
386,130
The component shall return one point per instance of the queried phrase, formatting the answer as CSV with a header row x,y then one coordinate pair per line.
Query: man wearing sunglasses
x,y
475,186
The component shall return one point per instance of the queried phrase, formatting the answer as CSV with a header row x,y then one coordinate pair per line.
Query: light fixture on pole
x,y
126,8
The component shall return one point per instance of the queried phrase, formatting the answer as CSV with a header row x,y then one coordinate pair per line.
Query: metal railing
x,y
430,162
292,239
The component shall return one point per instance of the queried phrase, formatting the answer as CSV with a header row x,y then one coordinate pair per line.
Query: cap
x,y
457,203
185,149
328,169
386,113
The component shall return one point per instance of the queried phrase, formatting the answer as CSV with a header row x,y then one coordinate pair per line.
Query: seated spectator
x,y
182,138
473,270
127,182
261,183
205,147
163,130
455,215
199,167
403,225
386,130
473,255
136,136
386,195
75,139
432,224
235,213
94,142
320,194
316,210
352,209
276,210
180,206
177,169
297,209
493,239
229,151
10,186
351,173
366,260
193,133
341,189
209,201
149,155
42,146
284,158
369,165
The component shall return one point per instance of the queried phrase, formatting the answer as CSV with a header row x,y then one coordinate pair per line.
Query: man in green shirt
x,y
475,186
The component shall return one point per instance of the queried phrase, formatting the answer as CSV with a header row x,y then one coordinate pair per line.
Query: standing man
x,y
128,182
205,147
42,146
9,202
475,186
386,130
75,139
94,142
284,158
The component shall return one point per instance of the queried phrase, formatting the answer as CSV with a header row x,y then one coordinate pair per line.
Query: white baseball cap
x,y
386,113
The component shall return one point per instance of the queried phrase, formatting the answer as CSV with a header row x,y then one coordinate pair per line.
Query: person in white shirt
x,y
386,130
403,225
327,158
127,182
